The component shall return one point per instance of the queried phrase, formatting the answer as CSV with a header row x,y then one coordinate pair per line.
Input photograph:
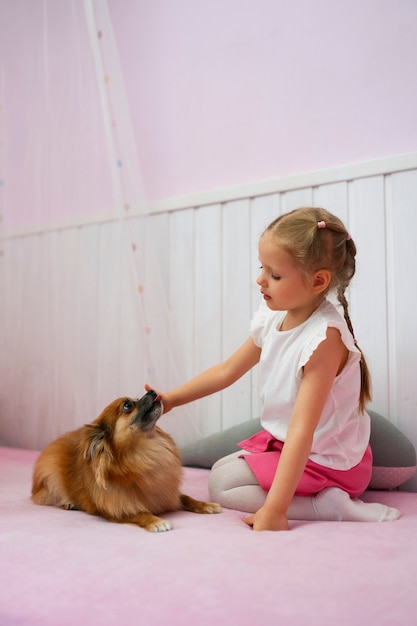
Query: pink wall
x,y
221,92
225,92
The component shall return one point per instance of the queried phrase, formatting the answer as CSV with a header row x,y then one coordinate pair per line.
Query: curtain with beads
x,y
84,311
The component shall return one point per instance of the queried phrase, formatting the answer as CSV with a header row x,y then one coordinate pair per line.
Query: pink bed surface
x,y
66,567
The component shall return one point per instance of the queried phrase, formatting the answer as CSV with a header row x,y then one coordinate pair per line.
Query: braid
x,y
342,299
365,394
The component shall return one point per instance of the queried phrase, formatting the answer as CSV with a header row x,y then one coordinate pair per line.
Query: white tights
x,y
233,485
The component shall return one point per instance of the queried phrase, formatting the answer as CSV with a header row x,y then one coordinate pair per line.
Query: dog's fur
x,y
121,467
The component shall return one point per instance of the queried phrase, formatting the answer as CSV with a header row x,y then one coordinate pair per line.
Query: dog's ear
x,y
97,450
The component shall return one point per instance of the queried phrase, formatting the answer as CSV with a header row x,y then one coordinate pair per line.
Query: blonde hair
x,y
316,240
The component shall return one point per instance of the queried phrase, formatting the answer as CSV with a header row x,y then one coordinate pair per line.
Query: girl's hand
x,y
267,520
167,405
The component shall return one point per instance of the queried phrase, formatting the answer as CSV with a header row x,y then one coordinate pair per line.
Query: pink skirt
x,y
265,453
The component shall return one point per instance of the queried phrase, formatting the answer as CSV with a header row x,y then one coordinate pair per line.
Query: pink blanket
x,y
61,568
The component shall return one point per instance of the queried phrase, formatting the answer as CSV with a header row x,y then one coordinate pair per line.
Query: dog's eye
x,y
128,406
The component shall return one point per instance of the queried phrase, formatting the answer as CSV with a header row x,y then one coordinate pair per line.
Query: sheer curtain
x,y
84,311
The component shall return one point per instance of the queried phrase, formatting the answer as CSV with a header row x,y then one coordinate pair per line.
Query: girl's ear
x,y
321,280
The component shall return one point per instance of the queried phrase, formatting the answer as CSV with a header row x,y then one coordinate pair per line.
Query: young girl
x,y
312,459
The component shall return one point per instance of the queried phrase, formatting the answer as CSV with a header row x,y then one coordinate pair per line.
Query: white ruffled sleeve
x,y
258,324
320,336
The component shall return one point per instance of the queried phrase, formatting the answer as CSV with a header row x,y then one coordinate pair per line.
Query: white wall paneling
x,y
401,233
207,295
368,293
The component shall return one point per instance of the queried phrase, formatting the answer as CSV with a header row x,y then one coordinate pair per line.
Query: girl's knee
x,y
229,473
215,483
224,460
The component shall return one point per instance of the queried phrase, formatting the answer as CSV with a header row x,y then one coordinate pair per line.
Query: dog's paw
x,y
69,506
159,526
212,507
198,506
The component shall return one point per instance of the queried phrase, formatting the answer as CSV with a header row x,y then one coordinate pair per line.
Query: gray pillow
x,y
394,456
206,451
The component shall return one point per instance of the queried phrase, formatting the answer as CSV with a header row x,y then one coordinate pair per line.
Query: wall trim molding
x,y
352,171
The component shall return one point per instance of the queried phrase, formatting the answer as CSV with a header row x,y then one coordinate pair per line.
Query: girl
x,y
312,459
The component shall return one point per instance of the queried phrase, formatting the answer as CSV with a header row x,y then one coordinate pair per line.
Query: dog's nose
x,y
155,396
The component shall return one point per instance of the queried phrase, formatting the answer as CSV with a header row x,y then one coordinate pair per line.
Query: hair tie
x,y
321,224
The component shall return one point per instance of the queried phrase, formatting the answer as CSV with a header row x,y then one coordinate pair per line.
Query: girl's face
x,y
283,286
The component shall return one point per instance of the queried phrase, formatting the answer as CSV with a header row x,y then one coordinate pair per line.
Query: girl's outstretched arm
x,y
319,374
214,379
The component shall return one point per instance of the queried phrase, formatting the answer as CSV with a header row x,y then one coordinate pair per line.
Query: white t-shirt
x,y
342,434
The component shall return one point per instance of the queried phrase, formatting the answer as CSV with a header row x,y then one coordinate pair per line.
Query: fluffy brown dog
x,y
121,467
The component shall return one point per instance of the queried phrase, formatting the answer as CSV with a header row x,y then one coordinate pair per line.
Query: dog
x,y
121,467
